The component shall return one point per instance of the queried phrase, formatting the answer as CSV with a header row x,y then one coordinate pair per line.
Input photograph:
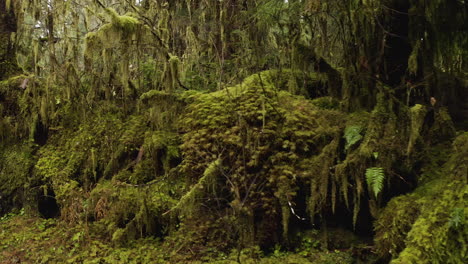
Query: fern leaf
x,y
374,178
352,135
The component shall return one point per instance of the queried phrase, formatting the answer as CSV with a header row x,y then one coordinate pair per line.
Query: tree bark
x,y
7,50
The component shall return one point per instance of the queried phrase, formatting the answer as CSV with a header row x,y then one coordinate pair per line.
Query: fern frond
x,y
352,135
374,178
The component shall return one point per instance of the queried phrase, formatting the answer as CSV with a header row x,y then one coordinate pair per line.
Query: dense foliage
x,y
234,131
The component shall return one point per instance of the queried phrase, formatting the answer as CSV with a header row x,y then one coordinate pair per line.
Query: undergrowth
x,y
429,224
221,176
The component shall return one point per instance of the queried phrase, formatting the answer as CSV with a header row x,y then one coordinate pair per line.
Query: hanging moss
x,y
162,147
206,184
21,107
443,127
174,63
439,33
130,159
125,212
118,31
382,142
413,58
418,113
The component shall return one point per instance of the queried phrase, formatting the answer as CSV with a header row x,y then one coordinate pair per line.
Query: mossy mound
x,y
260,141
248,166
233,160
15,166
429,225
111,171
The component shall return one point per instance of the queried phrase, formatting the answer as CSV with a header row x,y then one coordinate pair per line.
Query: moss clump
x,y
126,23
432,236
261,135
15,166
429,224
417,115
206,184
74,161
20,104
443,128
114,173
124,212
326,103
117,32
394,224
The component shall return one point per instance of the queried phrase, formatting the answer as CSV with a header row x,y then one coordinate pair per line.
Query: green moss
x,y
394,223
443,128
262,134
126,212
326,103
74,161
163,146
431,237
413,58
126,23
377,141
418,228
209,172
417,114
114,34
15,165
206,184
20,107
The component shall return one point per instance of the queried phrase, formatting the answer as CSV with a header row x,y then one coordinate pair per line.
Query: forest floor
x,y
26,239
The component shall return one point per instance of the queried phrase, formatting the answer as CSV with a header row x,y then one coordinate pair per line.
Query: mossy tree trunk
x,y
7,48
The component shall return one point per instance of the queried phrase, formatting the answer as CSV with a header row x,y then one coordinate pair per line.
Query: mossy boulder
x,y
429,225
261,137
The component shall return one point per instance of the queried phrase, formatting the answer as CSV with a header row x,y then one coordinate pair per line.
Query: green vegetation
x,y
375,177
233,131
428,225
